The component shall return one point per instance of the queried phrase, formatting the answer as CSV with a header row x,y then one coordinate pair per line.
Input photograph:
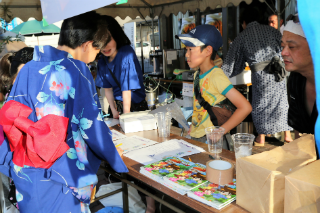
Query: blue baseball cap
x,y
202,35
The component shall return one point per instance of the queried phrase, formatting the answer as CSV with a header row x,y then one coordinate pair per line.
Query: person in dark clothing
x,y
303,112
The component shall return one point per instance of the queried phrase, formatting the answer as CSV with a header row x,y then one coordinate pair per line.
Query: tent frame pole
x,y
225,31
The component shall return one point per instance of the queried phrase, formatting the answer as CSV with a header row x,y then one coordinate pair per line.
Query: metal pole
x,y
125,194
278,12
225,31
152,27
141,44
238,22
2,198
153,41
124,180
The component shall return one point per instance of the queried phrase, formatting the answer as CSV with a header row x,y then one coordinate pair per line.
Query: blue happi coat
x,y
55,83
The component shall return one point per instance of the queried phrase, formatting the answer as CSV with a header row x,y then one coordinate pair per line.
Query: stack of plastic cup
x,y
215,139
164,123
242,144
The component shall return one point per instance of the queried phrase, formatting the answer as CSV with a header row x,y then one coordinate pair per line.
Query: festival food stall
x,y
189,177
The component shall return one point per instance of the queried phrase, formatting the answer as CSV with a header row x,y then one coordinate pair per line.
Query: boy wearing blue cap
x,y
212,88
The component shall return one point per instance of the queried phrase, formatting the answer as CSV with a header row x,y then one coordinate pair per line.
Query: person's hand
x,y
115,114
214,138
189,129
120,151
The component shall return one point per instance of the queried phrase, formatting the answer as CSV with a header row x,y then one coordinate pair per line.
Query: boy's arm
x,y
243,109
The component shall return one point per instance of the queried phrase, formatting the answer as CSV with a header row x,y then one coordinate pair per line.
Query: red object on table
x,y
37,144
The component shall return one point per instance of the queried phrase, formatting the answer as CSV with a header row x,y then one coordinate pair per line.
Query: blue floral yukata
x,y
55,83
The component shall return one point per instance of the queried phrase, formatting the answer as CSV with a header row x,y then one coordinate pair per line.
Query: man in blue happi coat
x,y
58,82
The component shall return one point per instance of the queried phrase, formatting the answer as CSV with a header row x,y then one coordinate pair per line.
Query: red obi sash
x,y
37,144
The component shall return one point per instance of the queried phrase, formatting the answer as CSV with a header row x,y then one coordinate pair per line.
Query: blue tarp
x,y
310,20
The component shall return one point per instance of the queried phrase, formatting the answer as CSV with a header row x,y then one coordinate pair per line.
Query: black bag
x,y
219,113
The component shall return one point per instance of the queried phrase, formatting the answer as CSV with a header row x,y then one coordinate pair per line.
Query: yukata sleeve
x,y
234,62
5,157
87,123
130,73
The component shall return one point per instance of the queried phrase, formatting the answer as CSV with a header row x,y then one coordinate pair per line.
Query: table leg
x,y
124,180
125,194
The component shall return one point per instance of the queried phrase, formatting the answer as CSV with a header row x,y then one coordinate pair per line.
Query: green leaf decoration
x,y
80,165
72,154
45,69
75,134
72,92
42,97
85,123
122,2
74,120
84,135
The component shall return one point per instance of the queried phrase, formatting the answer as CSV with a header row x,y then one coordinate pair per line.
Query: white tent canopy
x,y
144,8
25,9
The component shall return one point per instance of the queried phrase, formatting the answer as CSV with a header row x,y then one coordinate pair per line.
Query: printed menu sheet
x,y
159,151
117,135
133,143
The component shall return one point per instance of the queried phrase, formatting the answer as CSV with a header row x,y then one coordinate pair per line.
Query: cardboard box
x,y
302,190
261,177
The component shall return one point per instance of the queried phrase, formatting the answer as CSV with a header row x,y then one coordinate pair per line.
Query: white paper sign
x,y
130,31
172,55
187,89
54,10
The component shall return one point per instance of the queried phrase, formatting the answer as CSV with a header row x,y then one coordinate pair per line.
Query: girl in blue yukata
x,y
55,136
119,72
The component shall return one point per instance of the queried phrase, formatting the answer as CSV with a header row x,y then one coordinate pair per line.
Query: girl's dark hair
x,y
116,32
250,14
82,28
5,77
9,64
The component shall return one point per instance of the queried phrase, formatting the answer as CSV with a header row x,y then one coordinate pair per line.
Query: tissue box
x,y
138,123
302,189
261,177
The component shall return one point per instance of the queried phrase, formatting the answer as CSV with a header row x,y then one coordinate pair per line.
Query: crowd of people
x,y
44,80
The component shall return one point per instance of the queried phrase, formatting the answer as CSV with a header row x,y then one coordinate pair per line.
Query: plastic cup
x,y
215,139
164,123
242,144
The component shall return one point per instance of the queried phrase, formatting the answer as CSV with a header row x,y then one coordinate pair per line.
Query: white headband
x,y
294,28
